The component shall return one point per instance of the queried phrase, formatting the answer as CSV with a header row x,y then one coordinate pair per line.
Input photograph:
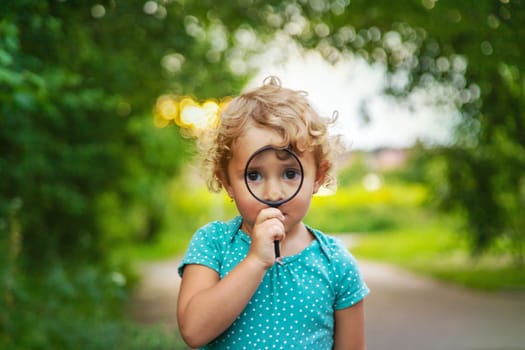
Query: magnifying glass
x,y
274,176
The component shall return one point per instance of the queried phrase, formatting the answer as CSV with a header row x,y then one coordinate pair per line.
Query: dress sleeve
x,y
352,287
203,249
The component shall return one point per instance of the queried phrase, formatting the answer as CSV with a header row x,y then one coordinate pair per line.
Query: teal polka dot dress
x,y
293,308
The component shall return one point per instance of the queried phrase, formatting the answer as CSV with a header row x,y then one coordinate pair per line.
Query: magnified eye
x,y
291,174
253,176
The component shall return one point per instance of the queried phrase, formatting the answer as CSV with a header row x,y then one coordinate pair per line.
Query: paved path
x,y
155,300
403,312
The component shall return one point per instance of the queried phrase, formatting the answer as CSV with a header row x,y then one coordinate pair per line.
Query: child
x,y
234,293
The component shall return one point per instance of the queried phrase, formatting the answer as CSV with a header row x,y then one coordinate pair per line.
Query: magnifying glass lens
x,y
274,175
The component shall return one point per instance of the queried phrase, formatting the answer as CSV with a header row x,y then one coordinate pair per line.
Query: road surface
x,y
403,312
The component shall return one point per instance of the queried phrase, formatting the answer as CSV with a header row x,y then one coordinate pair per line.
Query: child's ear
x,y
223,179
320,176
229,190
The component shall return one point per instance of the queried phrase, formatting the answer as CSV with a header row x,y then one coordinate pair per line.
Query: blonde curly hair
x,y
269,106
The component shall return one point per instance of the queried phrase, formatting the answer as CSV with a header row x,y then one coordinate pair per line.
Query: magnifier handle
x,y
277,249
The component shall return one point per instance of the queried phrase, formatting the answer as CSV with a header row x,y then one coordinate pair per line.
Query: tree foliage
x,y
468,53
80,158
76,76
77,83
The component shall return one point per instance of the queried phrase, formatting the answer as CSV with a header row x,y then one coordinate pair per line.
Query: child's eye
x,y
254,176
291,174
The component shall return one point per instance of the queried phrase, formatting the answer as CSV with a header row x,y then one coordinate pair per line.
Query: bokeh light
x,y
187,113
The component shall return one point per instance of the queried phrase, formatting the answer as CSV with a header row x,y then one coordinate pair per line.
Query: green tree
x,y
469,53
77,85
74,76
79,153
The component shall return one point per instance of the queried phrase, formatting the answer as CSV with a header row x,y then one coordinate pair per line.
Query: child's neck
x,y
296,240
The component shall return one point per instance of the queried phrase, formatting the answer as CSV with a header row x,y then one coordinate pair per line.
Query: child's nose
x,y
273,191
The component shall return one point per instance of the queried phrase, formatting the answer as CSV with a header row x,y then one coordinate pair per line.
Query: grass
x,y
394,225
436,250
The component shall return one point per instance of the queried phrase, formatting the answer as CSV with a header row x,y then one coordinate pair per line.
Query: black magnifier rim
x,y
273,204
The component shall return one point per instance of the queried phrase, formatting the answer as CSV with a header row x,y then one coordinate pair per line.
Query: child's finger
x,y
269,213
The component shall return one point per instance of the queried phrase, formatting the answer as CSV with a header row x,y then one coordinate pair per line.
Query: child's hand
x,y
268,227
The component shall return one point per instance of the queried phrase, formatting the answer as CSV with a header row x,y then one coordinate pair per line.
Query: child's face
x,y
249,207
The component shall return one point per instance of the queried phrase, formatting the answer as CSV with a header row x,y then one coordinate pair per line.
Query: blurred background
x,y
101,102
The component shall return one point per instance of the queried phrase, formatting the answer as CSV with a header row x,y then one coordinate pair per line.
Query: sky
x,y
343,88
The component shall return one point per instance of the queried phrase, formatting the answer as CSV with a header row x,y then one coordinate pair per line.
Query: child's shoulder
x,y
220,228
333,247
325,239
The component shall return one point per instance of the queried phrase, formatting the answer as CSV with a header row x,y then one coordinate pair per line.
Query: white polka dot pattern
x,y
293,308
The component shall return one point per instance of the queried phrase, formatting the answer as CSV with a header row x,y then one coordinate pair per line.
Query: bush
x,y
72,308
65,305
